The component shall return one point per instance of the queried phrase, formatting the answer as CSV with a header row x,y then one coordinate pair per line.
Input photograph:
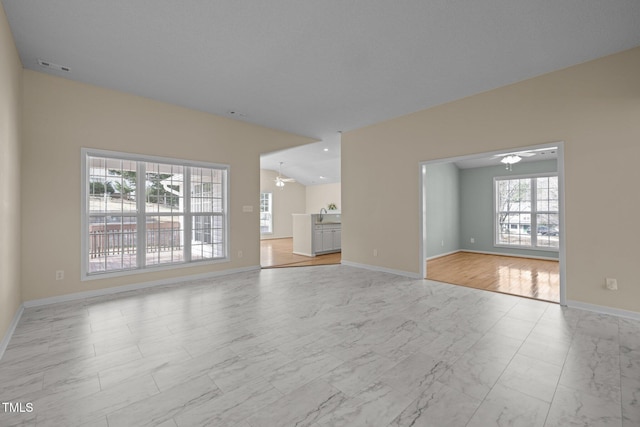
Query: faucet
x,y
321,214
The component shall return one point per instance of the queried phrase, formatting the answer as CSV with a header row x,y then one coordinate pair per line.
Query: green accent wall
x,y
442,204
476,206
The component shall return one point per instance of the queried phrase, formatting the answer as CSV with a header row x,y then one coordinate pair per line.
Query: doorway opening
x,y
300,202
495,221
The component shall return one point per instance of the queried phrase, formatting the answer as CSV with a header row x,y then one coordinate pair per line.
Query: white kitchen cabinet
x,y
318,239
312,236
327,238
337,238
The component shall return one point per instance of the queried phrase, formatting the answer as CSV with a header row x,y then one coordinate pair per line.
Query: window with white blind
x,y
527,212
143,212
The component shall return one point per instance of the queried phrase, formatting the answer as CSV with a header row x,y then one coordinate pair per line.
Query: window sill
x,y
527,248
152,269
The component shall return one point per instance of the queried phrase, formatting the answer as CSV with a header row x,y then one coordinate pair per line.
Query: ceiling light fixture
x,y
326,149
280,180
510,160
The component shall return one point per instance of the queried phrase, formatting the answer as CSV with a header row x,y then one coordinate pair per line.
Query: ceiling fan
x,y
279,180
509,159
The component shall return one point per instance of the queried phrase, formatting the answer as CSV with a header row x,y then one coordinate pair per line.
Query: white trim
x,y
604,310
12,328
155,268
562,251
527,248
135,286
445,254
408,274
546,258
422,228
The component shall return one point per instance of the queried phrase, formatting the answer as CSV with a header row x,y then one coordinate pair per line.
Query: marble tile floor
x,y
320,346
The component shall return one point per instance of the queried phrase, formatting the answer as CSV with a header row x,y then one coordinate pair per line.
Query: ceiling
x,y
315,68
310,164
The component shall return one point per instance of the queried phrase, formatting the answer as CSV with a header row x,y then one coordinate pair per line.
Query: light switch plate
x,y
247,208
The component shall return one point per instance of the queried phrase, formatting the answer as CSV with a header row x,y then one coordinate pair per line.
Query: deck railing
x,y
114,239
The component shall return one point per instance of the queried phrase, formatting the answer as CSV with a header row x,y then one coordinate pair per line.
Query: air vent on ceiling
x,y
52,66
236,113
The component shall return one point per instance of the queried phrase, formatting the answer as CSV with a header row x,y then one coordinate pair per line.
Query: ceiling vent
x,y
52,66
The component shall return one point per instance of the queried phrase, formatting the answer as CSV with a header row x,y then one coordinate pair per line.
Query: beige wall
x,y
10,136
286,201
319,196
593,107
61,117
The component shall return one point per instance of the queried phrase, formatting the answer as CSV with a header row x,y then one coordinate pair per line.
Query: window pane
x,y
514,195
123,180
514,204
164,186
164,239
207,190
111,185
266,217
207,240
548,232
514,229
112,243
547,194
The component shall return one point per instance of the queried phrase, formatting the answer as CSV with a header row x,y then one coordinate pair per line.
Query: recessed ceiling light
x,y
326,149
323,177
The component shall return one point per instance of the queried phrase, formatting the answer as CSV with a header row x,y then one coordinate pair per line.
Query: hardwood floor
x,y
527,277
279,253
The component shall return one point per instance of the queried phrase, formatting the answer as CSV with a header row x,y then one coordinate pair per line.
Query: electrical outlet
x,y
442,243
240,254
59,274
375,252
611,284
472,240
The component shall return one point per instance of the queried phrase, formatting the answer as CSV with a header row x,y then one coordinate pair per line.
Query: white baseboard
x,y
382,269
12,328
133,287
444,254
604,310
546,258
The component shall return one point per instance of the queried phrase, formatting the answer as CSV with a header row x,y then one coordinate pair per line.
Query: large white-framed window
x,y
147,212
527,212
266,213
